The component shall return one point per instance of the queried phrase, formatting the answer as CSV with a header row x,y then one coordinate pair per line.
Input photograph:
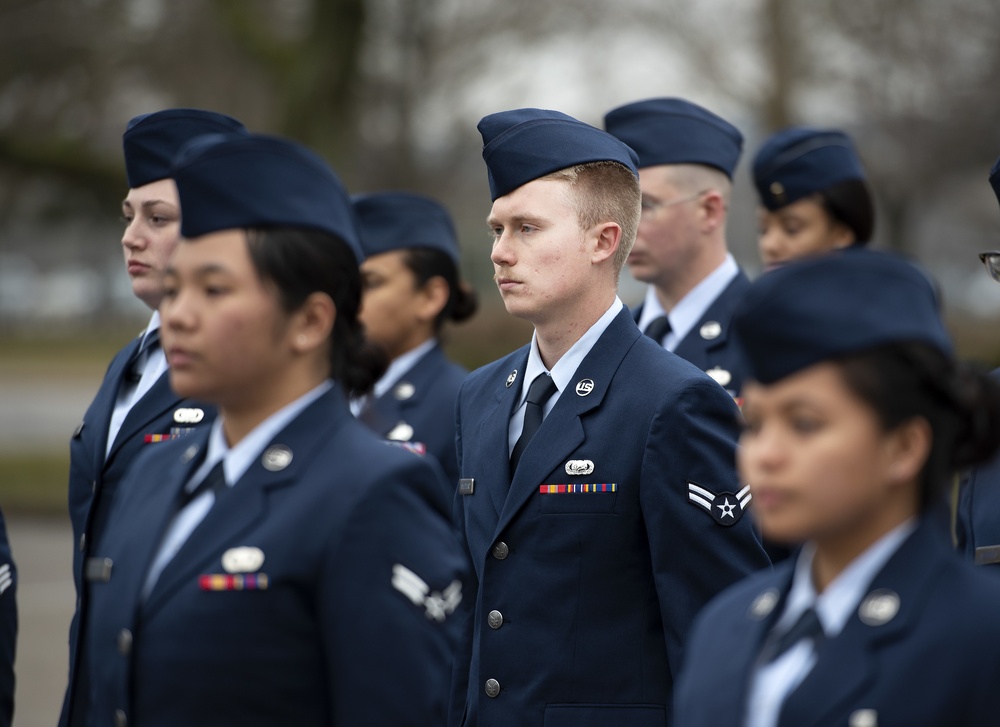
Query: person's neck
x,y
671,288
241,417
835,552
557,334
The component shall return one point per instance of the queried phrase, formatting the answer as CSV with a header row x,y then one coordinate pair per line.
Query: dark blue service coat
x,y
94,478
8,627
585,598
977,525
420,409
934,662
711,345
344,618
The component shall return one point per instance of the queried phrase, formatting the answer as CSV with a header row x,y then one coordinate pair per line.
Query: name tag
x,y
98,570
988,555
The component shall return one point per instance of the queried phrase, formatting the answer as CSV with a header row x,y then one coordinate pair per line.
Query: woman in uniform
x,y
813,195
856,416
977,521
285,566
411,288
135,408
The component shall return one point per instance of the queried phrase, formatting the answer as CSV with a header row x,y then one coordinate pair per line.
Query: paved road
x,y
42,551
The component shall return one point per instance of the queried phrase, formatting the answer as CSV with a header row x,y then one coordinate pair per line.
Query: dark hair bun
x,y
464,302
976,397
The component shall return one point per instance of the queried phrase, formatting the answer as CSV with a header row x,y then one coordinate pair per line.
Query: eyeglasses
x,y
991,260
649,206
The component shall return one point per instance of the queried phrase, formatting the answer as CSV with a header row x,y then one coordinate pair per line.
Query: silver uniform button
x,y
500,550
83,542
125,642
120,719
495,619
492,688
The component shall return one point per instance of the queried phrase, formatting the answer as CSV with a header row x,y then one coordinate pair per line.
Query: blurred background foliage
x,y
389,92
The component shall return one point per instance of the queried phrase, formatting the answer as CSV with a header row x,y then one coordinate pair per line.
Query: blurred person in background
x,y
856,415
411,289
284,566
977,522
134,407
687,156
814,197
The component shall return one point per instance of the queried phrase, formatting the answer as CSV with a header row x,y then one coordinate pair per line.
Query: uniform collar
x,y
689,310
841,598
400,365
569,362
237,460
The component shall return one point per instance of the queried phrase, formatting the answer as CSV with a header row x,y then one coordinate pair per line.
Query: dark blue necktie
x,y
215,480
149,344
540,391
807,627
658,328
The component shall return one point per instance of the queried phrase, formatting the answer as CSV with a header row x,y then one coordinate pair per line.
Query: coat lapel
x,y
246,504
389,410
846,664
102,418
157,400
562,429
694,346
495,427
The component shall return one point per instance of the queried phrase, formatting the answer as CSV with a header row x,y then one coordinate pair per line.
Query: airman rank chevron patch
x,y
725,507
572,489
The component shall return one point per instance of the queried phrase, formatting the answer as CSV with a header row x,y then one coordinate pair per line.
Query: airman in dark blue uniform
x,y
856,415
598,498
412,287
687,156
134,408
814,195
977,524
284,566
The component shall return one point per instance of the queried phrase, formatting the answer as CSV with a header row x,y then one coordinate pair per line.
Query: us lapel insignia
x,y
511,378
244,559
720,375
579,467
404,390
402,432
584,387
276,458
725,508
863,718
189,416
764,604
711,330
879,607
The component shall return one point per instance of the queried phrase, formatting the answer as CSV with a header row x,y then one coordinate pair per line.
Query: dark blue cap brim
x,y
233,182
675,131
390,221
522,145
833,306
152,140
